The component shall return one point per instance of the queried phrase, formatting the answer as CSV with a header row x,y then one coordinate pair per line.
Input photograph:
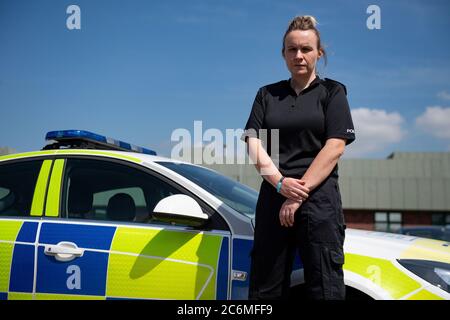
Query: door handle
x,y
64,251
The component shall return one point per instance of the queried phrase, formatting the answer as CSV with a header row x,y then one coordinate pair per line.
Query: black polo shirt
x,y
304,121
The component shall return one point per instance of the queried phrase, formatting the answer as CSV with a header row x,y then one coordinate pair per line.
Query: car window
x,y
101,199
3,192
237,195
17,183
110,191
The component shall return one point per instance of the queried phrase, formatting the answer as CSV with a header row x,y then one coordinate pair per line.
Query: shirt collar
x,y
316,81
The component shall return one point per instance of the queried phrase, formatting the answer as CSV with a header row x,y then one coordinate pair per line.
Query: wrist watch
x,y
279,184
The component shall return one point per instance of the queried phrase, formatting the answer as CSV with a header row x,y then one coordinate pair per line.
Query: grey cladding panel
x,y
424,193
397,193
410,191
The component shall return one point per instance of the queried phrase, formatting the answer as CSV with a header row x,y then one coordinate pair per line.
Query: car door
x,y
57,258
23,184
99,239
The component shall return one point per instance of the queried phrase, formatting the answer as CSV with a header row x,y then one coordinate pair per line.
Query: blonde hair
x,y
305,23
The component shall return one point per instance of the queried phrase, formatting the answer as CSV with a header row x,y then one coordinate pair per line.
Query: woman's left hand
x,y
287,212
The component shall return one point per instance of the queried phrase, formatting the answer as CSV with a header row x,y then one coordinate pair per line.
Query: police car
x,y
90,217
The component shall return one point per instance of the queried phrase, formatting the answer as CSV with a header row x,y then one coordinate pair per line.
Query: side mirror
x,y
181,209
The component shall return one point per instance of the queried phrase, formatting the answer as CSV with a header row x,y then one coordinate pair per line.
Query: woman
x,y
299,205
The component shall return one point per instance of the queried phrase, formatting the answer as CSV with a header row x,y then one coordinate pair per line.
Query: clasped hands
x,y
296,192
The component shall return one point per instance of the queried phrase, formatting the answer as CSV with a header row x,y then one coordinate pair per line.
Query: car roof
x,y
132,156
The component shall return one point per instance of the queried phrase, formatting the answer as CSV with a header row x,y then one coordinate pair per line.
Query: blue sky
x,y
138,70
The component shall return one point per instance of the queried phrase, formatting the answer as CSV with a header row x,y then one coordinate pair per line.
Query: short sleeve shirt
x,y
294,128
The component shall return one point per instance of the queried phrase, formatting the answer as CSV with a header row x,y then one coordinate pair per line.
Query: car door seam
x,y
36,254
109,259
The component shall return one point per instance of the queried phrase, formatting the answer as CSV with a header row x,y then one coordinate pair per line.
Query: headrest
x,y
121,207
7,201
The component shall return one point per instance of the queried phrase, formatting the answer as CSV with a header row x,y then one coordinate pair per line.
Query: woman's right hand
x,y
294,189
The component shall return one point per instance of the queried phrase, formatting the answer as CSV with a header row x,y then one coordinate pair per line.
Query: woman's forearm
x,y
324,163
262,161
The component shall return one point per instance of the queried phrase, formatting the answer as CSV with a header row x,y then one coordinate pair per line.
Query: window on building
x,y
388,221
440,218
395,221
381,221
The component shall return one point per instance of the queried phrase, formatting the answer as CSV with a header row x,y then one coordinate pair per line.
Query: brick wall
x,y
359,219
364,219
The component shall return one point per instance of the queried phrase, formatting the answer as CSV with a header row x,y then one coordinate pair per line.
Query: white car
x,y
78,221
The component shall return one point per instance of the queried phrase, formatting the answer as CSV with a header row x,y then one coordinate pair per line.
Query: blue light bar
x,y
82,135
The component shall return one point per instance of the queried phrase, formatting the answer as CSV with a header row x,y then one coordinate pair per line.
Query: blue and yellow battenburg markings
x,y
393,281
241,261
22,268
89,270
143,263
118,262
9,229
164,264
223,270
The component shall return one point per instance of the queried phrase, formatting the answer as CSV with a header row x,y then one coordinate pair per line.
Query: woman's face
x,y
301,52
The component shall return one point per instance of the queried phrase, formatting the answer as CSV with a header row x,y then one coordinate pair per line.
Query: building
x,y
6,150
404,189
383,194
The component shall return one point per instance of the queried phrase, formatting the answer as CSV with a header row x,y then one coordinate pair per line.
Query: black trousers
x,y
318,235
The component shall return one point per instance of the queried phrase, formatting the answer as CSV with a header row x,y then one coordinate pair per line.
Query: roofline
x,y
129,156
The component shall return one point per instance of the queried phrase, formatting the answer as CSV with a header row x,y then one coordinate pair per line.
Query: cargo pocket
x,y
332,275
337,286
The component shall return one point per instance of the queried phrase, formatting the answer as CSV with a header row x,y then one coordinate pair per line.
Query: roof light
x,y
80,138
